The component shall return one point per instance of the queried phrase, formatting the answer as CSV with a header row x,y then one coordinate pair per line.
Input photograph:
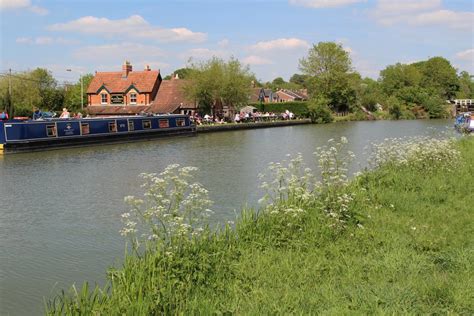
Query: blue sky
x,y
269,36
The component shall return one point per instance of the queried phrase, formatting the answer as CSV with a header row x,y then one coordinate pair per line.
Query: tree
x,y
319,111
329,67
466,86
300,80
216,82
439,75
72,98
183,73
398,76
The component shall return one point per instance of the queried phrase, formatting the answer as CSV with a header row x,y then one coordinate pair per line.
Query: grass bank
x,y
397,239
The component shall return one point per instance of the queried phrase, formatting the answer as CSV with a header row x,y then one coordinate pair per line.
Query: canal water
x,y
60,210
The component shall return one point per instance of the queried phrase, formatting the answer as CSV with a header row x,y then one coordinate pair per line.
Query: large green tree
x,y
218,82
329,67
439,76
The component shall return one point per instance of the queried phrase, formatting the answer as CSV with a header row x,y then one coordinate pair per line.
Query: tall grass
x,y
395,239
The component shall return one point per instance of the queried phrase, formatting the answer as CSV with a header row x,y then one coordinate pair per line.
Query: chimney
x,y
147,68
126,69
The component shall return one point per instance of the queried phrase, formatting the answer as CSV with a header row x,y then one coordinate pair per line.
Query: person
x,y
65,113
78,115
37,114
3,116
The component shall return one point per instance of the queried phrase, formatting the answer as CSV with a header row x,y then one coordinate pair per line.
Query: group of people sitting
x,y
242,117
65,114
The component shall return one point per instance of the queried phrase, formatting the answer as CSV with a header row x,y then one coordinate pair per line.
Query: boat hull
x,y
54,134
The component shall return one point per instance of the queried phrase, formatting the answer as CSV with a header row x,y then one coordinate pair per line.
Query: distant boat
x,y
33,135
465,122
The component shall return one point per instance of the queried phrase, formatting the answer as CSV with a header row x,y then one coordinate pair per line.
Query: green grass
x,y
414,255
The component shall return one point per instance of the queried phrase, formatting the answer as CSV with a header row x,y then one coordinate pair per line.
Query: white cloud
x,y
45,40
467,55
22,5
256,60
134,26
280,44
119,52
420,13
317,4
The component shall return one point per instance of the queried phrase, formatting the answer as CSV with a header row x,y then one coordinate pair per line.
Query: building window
x,y
164,123
133,98
131,126
112,127
103,98
180,122
146,124
85,129
51,130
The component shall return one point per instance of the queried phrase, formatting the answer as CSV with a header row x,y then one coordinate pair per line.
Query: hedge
x,y
299,108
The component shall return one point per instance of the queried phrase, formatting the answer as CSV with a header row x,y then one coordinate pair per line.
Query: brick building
x,y
123,92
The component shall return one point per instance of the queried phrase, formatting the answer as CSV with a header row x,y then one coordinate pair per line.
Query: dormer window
x,y
133,98
103,98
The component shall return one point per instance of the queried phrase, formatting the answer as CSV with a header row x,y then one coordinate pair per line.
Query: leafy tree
x,y
395,107
398,76
438,74
466,86
72,98
329,67
319,111
300,80
216,82
183,73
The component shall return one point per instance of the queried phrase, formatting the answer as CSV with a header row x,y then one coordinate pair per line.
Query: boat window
x,y
180,122
164,123
51,130
131,126
85,128
146,124
112,127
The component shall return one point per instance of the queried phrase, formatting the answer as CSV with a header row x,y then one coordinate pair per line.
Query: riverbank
x,y
251,125
394,240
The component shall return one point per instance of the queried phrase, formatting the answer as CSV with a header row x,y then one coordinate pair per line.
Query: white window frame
x,y
102,98
131,98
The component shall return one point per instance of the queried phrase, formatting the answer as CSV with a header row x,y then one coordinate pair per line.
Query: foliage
x,y
183,73
329,67
440,76
385,256
72,98
30,89
466,86
216,82
319,111
299,108
300,80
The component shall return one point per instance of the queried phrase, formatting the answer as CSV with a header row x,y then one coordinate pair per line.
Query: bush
x,y
299,108
319,111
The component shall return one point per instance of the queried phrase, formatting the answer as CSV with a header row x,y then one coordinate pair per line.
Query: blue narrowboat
x,y
29,135
465,122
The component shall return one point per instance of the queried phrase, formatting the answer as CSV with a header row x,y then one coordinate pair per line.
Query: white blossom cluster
x,y
293,186
172,207
422,153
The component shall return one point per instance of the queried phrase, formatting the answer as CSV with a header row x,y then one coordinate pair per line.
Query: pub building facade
x,y
125,92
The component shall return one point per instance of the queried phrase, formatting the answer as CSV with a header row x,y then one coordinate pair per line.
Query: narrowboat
x,y
465,122
33,135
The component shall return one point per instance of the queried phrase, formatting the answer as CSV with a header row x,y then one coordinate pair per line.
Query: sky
x,y
269,36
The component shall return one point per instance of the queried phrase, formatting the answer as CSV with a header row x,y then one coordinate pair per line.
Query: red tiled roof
x,y
170,97
117,109
144,81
